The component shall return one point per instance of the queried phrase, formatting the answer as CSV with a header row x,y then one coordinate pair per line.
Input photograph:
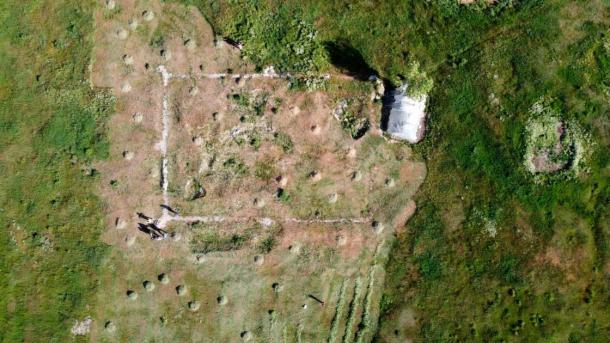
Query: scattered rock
x,y
110,4
163,278
277,287
82,328
132,295
315,176
378,227
341,240
166,54
198,141
259,203
193,91
126,87
127,59
133,24
356,176
181,290
296,110
200,259
259,259
110,327
333,198
304,306
193,305
148,286
222,300
246,335
282,180
295,248
137,117
389,182
148,15
190,44
122,34
120,223
128,155
130,239
351,152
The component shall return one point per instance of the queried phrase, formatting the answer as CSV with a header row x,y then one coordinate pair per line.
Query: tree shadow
x,y
348,59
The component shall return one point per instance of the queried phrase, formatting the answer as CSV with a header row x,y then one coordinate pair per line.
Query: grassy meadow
x,y
51,129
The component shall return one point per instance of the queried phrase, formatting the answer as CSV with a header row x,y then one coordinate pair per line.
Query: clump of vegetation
x,y
234,165
284,40
417,81
350,113
265,169
250,106
284,141
209,240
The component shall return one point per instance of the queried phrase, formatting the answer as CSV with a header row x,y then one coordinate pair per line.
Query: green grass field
x,y
51,129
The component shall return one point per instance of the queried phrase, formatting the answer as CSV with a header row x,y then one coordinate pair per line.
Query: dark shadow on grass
x,y
348,59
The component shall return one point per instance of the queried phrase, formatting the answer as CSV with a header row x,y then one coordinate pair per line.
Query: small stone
x,y
163,278
132,295
193,91
120,223
148,15
259,203
127,59
333,198
389,182
166,54
110,4
128,155
148,286
282,180
137,117
110,327
181,290
246,335
193,305
315,176
222,300
190,44
198,141
341,240
259,259
133,24
126,87
130,239
122,34
200,259
378,227
277,287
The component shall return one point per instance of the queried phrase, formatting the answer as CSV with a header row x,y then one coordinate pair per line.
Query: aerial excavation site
x,y
316,171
